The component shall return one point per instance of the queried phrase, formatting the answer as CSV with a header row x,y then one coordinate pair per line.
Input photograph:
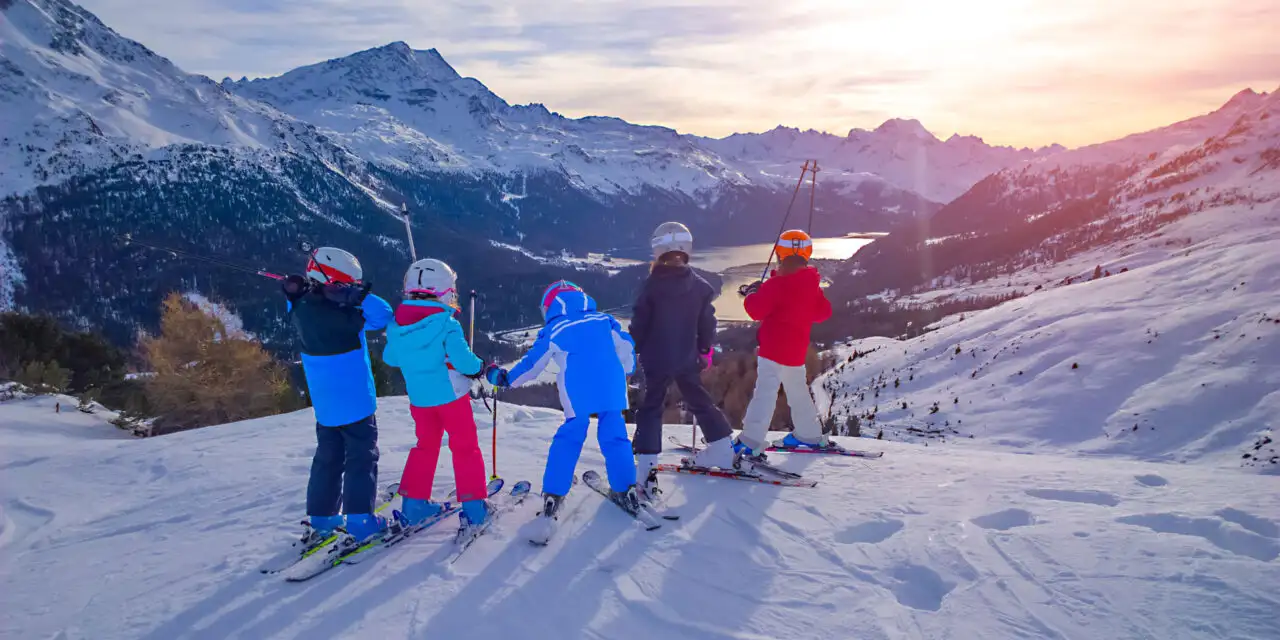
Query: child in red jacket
x,y
787,305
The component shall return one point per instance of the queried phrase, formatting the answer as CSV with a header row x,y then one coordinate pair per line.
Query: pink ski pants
x,y
464,445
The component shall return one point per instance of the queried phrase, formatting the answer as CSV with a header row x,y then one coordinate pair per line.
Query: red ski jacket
x,y
787,308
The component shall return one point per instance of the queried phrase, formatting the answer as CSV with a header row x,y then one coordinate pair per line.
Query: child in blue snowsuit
x,y
331,309
595,357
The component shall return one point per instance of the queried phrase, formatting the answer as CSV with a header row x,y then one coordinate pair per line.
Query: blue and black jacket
x,y
335,355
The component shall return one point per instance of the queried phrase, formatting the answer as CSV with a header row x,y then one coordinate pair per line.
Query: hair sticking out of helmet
x,y
329,264
556,288
794,243
671,237
431,278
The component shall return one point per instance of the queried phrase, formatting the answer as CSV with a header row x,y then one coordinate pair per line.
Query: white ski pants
x,y
804,414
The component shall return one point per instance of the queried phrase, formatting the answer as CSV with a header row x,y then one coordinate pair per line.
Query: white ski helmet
x,y
433,277
671,236
329,264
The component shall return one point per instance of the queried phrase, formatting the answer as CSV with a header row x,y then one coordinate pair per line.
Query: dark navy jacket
x,y
335,355
673,322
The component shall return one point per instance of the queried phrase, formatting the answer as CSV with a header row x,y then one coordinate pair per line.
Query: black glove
x,y
295,286
345,294
748,289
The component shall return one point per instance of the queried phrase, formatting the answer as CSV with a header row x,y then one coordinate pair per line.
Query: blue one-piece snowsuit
x,y
595,357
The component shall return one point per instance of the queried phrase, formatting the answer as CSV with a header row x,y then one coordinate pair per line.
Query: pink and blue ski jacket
x,y
428,346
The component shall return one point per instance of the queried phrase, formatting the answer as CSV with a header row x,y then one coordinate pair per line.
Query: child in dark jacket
x,y
787,305
674,327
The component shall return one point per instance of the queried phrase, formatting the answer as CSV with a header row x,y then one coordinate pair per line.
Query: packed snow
x,y
106,536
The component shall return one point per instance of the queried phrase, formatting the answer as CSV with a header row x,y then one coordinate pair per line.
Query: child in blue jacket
x,y
331,308
595,356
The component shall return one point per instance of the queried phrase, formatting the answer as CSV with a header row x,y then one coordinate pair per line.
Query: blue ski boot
x,y
415,511
474,513
792,441
319,528
364,526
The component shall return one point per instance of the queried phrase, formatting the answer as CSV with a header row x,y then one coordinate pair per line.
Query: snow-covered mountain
x,y
99,136
1229,155
76,97
162,538
1150,325
900,152
411,110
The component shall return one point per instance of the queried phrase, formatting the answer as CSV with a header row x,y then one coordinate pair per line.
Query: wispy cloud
x,y
1012,71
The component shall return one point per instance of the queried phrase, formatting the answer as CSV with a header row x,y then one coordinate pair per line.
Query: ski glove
x,y
497,376
295,286
748,289
346,295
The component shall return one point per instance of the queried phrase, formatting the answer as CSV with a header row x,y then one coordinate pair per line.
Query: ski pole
x,y
128,240
773,247
813,188
408,232
693,434
495,435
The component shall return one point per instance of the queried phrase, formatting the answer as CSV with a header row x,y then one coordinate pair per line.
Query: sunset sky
x,y
1020,72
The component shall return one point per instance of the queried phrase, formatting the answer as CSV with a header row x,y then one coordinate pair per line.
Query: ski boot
x,y
544,526
320,528
792,441
415,511
364,526
473,515
629,500
649,490
716,455
745,458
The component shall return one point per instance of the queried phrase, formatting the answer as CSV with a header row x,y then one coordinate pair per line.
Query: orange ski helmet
x,y
794,243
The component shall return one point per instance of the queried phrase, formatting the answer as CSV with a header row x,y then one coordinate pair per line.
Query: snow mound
x,y
161,538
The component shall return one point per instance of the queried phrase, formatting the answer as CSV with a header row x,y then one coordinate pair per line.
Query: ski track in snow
x,y
161,538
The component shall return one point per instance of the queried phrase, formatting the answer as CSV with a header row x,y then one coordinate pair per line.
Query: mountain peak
x,y
1244,98
907,128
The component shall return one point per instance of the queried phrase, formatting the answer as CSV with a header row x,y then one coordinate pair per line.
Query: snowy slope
x,y
160,538
1178,357
411,110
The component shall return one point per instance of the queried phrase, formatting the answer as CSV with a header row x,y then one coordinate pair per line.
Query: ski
x,y
512,500
643,515
347,551
734,475
831,450
765,466
300,551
